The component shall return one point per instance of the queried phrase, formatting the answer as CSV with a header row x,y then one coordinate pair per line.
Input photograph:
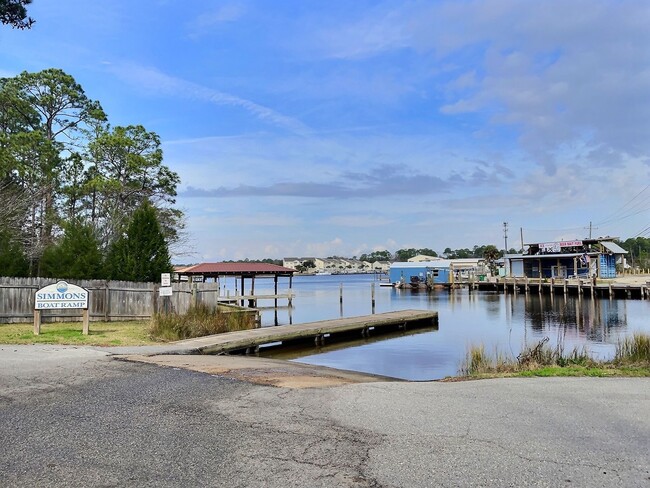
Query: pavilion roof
x,y
238,269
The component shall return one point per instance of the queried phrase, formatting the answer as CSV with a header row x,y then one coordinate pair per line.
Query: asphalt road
x,y
76,417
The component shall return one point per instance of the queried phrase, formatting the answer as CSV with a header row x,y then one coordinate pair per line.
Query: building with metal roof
x,y
565,259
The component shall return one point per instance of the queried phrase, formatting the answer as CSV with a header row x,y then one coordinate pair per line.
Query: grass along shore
x,y
199,321
632,358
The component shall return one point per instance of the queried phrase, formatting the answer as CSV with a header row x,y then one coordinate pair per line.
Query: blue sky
x,y
312,128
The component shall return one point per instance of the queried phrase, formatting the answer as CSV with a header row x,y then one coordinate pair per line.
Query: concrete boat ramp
x,y
312,332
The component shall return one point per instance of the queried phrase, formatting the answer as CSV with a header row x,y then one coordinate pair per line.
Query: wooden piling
x,y
580,288
37,322
86,319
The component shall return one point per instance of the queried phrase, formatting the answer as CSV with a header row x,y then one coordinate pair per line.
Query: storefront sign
x,y
556,247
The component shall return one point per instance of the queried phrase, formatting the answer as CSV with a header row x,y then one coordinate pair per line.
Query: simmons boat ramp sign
x,y
61,295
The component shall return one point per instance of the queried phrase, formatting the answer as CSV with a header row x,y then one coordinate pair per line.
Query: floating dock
x,y
249,341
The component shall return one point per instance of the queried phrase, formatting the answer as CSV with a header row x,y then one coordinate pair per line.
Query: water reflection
x,y
593,319
499,322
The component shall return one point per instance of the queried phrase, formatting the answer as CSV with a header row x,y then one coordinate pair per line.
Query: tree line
x,y
486,251
80,198
639,251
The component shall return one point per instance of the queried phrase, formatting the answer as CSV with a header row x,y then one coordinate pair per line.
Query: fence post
x,y
107,302
195,295
154,300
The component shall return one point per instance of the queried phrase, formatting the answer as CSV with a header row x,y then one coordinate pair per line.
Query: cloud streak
x,y
153,81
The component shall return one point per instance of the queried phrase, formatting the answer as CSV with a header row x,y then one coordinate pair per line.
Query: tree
x,y
142,253
76,256
376,256
125,170
491,254
14,13
54,113
12,258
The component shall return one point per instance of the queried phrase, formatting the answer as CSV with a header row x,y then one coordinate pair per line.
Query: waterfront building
x,y
438,272
586,258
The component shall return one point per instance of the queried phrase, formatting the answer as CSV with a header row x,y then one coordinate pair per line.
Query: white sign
x,y
165,279
550,247
165,291
61,295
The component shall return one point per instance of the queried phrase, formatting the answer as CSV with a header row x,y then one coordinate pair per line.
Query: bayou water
x,y
503,323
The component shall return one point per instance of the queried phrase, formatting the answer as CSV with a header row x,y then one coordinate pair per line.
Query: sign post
x,y
61,295
165,290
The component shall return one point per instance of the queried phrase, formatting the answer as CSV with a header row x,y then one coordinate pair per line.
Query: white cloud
x,y
211,19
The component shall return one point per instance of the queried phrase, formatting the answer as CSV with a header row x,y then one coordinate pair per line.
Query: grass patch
x,y
128,333
632,350
632,358
199,321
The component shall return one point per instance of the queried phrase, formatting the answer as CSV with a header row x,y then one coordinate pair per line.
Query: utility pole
x,y
521,233
591,227
505,237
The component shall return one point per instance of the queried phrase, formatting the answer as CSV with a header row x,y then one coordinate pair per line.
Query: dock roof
x,y
238,269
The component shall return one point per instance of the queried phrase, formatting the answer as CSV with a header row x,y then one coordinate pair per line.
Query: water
x,y
499,322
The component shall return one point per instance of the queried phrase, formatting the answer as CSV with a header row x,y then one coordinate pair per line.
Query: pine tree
x,y
77,256
142,254
13,261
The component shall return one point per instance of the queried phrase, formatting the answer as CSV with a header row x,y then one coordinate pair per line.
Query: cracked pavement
x,y
77,417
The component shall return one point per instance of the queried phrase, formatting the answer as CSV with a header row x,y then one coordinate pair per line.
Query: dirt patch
x,y
263,371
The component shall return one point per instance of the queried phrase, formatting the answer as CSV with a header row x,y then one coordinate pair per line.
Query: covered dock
x,y
203,272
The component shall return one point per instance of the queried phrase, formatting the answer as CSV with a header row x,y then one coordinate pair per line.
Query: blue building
x,y
438,272
585,258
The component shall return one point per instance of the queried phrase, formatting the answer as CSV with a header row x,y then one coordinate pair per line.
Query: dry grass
x,y
633,350
632,359
199,321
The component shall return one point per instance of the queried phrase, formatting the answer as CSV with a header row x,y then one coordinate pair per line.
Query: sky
x,y
321,128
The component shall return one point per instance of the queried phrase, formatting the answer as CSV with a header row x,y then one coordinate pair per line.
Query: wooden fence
x,y
108,300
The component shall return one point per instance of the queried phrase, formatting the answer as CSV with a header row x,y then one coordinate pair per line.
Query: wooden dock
x,y
312,332
556,286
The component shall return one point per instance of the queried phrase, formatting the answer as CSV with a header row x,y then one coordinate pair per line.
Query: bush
x,y
200,320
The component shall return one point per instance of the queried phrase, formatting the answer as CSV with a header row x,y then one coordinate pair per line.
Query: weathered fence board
x,y
109,300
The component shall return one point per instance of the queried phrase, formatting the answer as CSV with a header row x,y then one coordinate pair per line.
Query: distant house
x,y
564,259
423,257
291,262
296,262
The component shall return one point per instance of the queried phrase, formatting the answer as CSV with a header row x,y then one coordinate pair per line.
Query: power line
x,y
612,216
